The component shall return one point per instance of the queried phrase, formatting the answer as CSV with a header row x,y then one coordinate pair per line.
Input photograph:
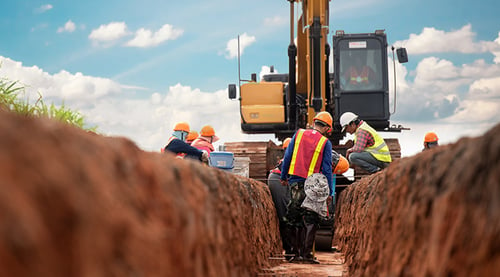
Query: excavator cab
x,y
361,77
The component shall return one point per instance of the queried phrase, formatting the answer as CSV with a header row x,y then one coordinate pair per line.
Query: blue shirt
x,y
178,146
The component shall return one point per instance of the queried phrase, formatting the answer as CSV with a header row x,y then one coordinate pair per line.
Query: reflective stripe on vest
x,y
379,149
305,156
359,78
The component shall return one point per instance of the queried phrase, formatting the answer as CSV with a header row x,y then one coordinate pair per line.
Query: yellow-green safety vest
x,y
379,149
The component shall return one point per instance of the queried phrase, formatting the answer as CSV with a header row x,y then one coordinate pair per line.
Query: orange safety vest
x,y
307,153
178,155
359,78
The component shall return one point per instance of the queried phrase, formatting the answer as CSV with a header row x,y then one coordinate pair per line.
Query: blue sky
x,y
134,68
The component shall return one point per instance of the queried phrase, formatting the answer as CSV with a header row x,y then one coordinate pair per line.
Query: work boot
x,y
310,235
295,240
310,260
285,240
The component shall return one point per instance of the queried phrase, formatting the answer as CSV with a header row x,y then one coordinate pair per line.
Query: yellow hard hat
x,y
342,165
430,137
181,126
286,142
324,117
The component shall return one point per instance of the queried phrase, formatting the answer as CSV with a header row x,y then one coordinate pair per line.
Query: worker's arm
x,y
326,165
287,158
179,146
363,139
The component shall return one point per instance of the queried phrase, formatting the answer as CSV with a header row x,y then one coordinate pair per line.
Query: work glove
x,y
204,157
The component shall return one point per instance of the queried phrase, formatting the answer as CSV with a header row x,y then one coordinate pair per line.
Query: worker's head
x,y
286,142
181,130
323,122
192,135
208,132
349,122
430,140
342,165
357,57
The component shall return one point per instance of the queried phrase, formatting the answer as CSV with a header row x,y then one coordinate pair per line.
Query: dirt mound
x,y
433,214
74,203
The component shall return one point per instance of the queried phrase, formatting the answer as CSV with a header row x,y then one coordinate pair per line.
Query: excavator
x,y
280,104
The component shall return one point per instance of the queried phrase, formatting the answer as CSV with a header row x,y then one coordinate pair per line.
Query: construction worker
x,y
309,152
281,196
177,144
430,141
359,74
192,135
370,152
205,140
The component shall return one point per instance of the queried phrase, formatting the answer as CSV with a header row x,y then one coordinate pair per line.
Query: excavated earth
x,y
74,203
434,214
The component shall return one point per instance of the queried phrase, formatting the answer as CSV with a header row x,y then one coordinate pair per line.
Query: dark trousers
x,y
302,223
281,198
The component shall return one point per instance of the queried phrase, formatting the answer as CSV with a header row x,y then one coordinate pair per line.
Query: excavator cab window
x,y
360,65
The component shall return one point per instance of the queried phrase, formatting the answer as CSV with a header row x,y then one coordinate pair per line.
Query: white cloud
x,y
109,33
485,88
43,8
441,90
73,89
432,40
496,53
146,38
69,27
232,45
146,121
275,21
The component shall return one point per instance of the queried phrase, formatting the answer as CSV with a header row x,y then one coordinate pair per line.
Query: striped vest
x,y
307,153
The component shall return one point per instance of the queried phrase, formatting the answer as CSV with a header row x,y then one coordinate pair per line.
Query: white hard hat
x,y
347,118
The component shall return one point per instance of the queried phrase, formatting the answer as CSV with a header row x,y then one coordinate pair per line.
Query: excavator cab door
x,y
361,78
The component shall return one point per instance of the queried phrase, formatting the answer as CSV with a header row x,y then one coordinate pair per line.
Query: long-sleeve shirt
x,y
202,144
363,140
326,165
178,146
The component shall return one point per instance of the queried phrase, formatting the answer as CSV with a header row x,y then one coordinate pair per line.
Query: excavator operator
x,y
358,74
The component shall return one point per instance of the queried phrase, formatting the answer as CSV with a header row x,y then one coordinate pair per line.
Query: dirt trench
x,y
434,214
74,203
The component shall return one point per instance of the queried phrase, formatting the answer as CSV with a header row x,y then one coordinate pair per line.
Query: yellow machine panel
x,y
262,102
263,113
264,93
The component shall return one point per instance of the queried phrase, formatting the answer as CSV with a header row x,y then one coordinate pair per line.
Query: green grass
x,y
11,99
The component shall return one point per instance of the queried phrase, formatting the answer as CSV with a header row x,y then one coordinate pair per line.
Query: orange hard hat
x,y
430,137
207,131
286,142
192,135
181,126
342,165
324,117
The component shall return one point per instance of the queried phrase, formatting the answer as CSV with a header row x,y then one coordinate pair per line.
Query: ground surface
x,y
331,264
